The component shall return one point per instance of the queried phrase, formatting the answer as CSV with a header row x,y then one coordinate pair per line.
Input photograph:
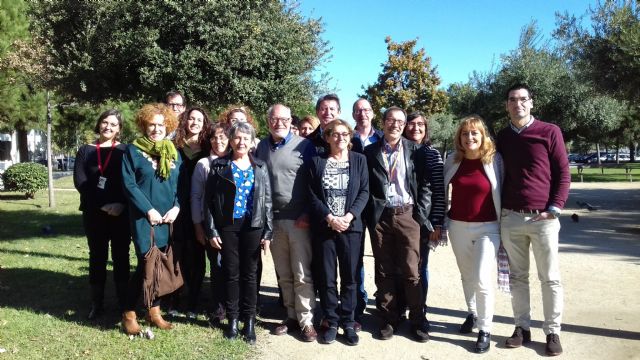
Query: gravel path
x,y
600,263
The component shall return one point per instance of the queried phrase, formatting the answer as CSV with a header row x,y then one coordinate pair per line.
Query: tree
x,y
255,52
442,128
407,80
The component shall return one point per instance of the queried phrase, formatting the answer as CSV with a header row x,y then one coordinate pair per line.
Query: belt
x,y
397,210
527,211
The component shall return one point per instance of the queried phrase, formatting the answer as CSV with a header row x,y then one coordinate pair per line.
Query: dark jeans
x,y
396,247
424,269
362,296
343,250
101,228
240,253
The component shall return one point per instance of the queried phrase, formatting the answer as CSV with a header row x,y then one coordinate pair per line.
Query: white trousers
x,y
475,245
519,234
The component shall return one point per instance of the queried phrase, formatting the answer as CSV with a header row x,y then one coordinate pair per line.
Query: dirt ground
x,y
600,264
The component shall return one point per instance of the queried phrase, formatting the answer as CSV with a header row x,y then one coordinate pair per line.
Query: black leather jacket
x,y
220,195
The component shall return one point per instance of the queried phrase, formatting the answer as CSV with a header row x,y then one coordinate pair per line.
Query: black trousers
x,y
240,254
101,229
134,290
343,250
216,275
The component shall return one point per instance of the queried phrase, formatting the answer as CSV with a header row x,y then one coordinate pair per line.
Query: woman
x,y
307,125
239,197
475,173
339,188
417,130
97,176
150,171
191,140
200,216
234,114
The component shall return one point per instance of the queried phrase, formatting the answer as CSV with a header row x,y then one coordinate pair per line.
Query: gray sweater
x,y
288,175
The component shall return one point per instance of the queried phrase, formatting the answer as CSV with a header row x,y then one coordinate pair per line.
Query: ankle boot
x,y
97,301
155,318
249,331
232,329
121,294
130,324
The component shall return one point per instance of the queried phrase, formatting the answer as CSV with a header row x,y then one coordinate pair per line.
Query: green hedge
x,y
26,177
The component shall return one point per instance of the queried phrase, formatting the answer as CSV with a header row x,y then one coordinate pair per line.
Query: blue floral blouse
x,y
244,191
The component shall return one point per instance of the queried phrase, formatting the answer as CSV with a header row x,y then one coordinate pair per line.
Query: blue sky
x,y
459,36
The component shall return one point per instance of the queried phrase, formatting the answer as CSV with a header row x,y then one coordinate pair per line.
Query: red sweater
x,y
471,199
536,167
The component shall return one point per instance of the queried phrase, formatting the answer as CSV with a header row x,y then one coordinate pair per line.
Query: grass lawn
x,y
608,174
44,295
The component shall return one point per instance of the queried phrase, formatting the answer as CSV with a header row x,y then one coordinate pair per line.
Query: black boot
x,y
121,294
97,301
232,329
249,330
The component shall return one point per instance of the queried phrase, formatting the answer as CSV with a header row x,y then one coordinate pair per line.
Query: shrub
x,y
26,177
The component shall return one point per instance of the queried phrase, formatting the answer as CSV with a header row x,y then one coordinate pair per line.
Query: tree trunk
x,y
23,144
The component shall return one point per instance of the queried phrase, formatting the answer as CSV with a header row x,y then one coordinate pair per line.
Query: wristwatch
x,y
554,212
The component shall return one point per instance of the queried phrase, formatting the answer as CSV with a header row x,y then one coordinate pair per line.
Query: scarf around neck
x,y
164,149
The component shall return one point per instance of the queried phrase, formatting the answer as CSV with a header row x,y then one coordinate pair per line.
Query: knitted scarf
x,y
163,149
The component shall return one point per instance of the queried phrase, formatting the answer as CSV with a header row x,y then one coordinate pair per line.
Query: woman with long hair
x,y
475,174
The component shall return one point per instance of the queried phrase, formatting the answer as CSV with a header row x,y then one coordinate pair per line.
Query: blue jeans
x,y
424,270
362,297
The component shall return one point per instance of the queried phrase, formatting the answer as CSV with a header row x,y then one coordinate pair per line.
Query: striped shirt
x,y
435,176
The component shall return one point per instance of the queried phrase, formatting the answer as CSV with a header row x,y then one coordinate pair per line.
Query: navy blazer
x,y
357,192
417,179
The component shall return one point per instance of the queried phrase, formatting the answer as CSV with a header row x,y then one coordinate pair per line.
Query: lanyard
x,y
103,168
392,166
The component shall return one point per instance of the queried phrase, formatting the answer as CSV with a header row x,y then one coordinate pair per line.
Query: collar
x,y
388,148
518,131
276,145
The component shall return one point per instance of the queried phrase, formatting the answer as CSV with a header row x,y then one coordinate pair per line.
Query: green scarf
x,y
163,149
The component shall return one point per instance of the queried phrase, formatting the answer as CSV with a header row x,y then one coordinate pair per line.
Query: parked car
x,y
66,163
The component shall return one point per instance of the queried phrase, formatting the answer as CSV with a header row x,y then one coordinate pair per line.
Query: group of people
x,y
308,192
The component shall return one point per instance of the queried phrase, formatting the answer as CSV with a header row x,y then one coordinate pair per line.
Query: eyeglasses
x,y
395,121
175,105
416,124
338,135
513,100
283,120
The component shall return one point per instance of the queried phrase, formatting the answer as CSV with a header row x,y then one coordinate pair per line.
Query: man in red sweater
x,y
536,187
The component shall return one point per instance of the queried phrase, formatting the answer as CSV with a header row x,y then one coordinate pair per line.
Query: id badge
x,y
391,191
102,182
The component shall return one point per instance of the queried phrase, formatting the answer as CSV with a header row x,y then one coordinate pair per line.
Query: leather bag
x,y
162,275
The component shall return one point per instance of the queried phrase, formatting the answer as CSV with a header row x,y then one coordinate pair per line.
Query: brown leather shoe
x,y
286,326
155,318
309,333
130,323
520,336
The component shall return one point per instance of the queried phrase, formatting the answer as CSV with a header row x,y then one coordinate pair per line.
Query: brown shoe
x,y
286,326
130,323
553,347
520,336
309,333
155,318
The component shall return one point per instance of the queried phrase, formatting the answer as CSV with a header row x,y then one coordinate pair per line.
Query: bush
x,y
26,177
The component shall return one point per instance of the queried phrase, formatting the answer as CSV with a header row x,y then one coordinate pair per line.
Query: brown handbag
x,y
162,275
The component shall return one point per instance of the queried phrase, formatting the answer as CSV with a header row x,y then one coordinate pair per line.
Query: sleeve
x,y
209,193
79,171
424,189
181,196
267,232
198,182
317,206
363,189
560,173
435,176
132,191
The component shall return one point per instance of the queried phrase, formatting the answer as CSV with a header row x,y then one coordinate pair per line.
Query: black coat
x,y
357,192
419,186
220,195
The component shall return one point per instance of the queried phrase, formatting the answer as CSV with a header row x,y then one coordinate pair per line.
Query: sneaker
x,y
553,347
520,336
420,332
386,332
329,335
351,336
309,333
468,324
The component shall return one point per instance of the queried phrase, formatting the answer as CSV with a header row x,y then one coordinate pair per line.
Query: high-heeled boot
x,y
249,331
130,323
155,318
232,329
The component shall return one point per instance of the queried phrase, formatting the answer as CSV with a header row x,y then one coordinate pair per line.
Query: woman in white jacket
x,y
475,173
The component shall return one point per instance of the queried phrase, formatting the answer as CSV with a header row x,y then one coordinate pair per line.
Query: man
x,y
327,110
285,154
400,200
536,187
175,101
364,135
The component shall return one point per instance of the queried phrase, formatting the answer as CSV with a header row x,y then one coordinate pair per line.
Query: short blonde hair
x,y
311,120
147,112
487,148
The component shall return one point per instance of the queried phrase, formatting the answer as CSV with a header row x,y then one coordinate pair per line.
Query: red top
x,y
471,199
